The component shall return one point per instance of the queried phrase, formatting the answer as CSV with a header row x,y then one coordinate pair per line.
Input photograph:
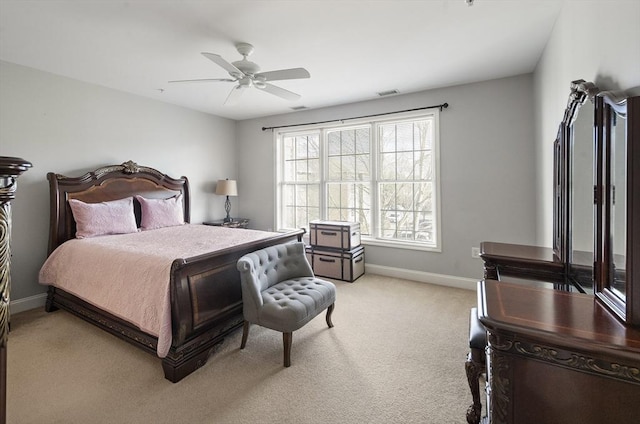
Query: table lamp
x,y
227,188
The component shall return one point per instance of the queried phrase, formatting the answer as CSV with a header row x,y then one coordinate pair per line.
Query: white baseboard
x,y
31,302
423,277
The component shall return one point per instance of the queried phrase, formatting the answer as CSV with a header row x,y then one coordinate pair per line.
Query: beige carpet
x,y
395,355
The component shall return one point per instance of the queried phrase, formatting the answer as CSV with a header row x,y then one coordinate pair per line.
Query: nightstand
x,y
235,223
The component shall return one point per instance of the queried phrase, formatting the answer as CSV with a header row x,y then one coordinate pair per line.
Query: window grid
x,y
406,201
381,174
301,175
348,176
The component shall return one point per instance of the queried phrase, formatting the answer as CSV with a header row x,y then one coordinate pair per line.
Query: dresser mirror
x,y
596,206
575,157
597,167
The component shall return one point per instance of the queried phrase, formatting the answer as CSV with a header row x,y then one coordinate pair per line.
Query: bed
x,y
204,294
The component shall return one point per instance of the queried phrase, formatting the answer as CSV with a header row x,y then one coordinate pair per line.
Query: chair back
x,y
266,267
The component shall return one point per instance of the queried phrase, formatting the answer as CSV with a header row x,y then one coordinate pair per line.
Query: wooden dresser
x,y
557,357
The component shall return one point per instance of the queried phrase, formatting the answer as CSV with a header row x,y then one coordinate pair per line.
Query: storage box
x,y
334,234
345,265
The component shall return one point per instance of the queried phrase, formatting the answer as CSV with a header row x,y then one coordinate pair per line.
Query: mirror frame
x,y
580,92
608,104
559,204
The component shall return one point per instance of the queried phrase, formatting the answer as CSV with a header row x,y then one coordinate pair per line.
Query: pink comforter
x,y
128,275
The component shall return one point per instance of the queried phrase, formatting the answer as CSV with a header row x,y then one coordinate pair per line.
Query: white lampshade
x,y
227,188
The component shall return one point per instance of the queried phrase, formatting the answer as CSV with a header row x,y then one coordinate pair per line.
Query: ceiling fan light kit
x,y
247,74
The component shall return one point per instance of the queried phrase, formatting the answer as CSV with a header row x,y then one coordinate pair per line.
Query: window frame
x,y
374,124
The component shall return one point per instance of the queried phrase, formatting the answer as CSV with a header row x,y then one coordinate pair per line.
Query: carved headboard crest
x,y
129,167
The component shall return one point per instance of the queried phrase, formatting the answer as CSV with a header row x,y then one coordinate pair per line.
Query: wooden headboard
x,y
107,183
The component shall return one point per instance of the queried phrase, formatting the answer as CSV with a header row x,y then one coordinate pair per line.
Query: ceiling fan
x,y
247,74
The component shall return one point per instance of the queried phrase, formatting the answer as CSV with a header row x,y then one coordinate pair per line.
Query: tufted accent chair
x,y
280,292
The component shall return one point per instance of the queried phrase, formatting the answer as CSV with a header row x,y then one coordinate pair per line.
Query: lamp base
x,y
227,208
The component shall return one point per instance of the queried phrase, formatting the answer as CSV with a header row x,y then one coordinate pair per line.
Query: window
x,y
382,174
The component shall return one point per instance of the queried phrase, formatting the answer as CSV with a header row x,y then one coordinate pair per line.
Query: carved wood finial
x,y
10,169
130,167
581,91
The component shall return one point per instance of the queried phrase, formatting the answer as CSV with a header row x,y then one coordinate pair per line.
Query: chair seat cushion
x,y
292,303
477,332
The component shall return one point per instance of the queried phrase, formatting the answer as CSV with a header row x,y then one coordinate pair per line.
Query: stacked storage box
x,y
335,250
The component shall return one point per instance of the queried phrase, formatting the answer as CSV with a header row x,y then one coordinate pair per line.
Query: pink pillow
x,y
159,213
98,219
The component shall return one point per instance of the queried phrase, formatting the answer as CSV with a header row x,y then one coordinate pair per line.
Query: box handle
x,y
328,233
358,260
326,260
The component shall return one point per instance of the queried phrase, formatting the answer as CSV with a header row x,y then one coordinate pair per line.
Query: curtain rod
x,y
440,106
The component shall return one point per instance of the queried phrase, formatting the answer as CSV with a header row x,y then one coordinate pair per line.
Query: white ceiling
x,y
352,48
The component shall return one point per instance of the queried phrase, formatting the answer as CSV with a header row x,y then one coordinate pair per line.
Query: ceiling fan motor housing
x,y
246,66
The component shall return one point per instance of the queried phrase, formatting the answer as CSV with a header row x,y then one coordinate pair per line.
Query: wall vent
x,y
388,93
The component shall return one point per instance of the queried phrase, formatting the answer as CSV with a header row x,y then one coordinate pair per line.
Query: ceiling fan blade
x,y
284,74
280,92
218,60
234,95
206,80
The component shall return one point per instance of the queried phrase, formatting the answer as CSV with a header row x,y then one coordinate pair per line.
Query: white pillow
x,y
98,219
159,213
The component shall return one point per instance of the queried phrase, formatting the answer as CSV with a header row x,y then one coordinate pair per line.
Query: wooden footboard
x,y
206,304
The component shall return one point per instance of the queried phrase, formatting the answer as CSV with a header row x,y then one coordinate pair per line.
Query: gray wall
x,y
486,170
597,41
71,127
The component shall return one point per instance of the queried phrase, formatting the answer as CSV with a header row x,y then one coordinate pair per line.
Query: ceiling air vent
x,y
298,107
388,93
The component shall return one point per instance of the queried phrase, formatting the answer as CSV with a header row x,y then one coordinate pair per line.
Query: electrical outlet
x,y
475,252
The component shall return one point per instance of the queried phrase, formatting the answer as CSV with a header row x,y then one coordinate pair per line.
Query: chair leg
x,y
474,369
329,312
245,334
286,339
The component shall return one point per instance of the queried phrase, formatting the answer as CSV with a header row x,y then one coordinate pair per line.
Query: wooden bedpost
x,y
10,170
